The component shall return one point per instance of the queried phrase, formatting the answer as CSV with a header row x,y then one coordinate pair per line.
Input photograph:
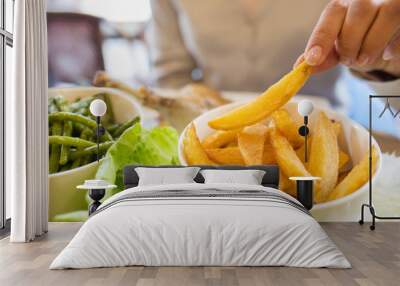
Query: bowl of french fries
x,y
70,166
264,131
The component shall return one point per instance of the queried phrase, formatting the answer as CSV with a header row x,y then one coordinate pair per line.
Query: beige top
x,y
234,44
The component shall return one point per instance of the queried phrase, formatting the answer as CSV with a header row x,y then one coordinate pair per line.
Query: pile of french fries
x,y
263,132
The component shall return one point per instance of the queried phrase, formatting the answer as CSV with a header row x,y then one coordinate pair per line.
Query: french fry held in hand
x,y
226,156
285,155
220,139
251,143
272,99
288,127
324,157
193,150
356,178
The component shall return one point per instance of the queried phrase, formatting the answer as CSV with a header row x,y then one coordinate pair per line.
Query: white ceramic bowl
x,y
353,140
63,195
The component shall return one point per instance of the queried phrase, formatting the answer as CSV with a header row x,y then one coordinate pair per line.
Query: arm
x,y
171,62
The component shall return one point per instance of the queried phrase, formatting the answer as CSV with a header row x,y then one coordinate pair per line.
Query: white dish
x,y
63,195
353,140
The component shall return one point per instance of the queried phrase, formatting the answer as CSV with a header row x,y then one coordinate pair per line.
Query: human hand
x,y
361,34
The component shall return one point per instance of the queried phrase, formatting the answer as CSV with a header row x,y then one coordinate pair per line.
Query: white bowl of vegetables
x,y
72,163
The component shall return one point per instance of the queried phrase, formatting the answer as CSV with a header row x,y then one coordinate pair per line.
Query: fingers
x,y
330,61
359,17
325,33
392,51
384,28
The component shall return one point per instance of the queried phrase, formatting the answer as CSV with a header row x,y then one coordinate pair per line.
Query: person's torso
x,y
250,44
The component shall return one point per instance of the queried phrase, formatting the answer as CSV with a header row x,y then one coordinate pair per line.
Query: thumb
x,y
325,33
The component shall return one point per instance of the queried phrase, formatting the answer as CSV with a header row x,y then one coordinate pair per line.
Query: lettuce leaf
x,y
75,216
137,145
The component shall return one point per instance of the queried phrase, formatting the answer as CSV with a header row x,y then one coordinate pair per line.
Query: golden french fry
x,y
338,128
194,152
268,154
226,156
324,157
220,139
343,160
287,185
285,155
356,178
301,152
342,176
272,99
288,127
251,143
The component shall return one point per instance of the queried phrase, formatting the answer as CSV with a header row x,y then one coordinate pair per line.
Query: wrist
x,y
376,75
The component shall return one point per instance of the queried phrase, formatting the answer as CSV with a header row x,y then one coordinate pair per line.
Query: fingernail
x,y
313,56
387,55
363,60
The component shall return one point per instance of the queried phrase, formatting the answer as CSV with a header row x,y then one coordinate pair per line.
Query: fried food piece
x,y
288,127
205,95
286,157
272,99
343,160
301,152
220,139
356,178
287,185
324,157
251,143
338,127
177,108
268,154
226,156
193,150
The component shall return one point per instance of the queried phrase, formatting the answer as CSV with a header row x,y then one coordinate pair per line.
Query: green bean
x,y
85,159
70,141
61,103
76,163
112,127
85,134
66,167
125,126
103,147
106,137
109,116
79,128
56,129
83,103
62,116
67,131
52,107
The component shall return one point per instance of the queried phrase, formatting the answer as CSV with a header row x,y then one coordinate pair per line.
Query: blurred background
x,y
89,35
86,36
